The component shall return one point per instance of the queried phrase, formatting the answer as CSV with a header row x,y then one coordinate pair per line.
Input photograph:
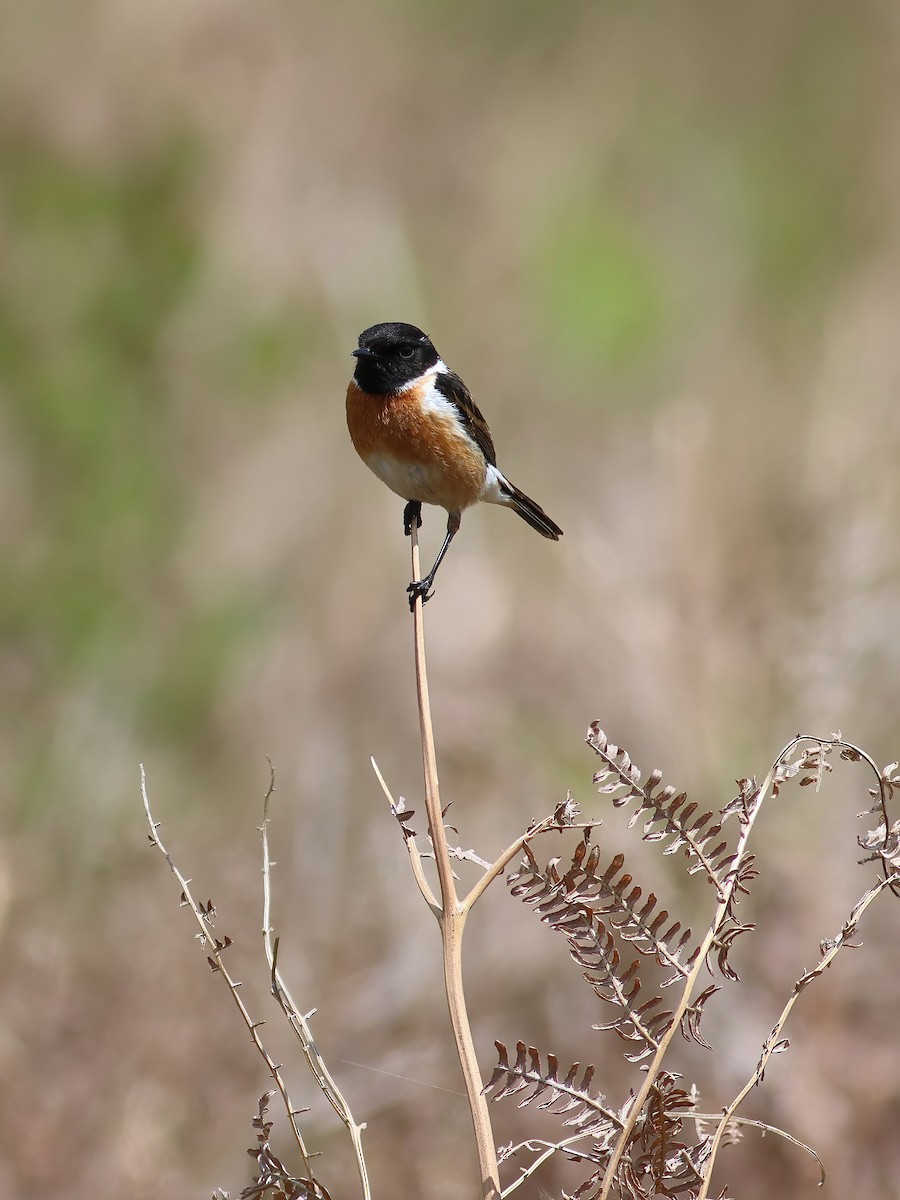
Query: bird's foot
x,y
412,512
419,588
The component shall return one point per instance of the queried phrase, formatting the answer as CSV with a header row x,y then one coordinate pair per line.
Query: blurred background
x,y
661,243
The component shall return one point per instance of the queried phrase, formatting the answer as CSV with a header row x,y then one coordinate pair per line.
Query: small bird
x,y
414,423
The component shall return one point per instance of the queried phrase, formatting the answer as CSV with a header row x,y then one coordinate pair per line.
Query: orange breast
x,y
419,449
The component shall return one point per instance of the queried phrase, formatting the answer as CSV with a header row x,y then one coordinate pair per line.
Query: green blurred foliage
x,y
270,353
599,287
99,260
797,191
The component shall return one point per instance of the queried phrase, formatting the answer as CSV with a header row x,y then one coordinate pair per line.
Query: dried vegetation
x,y
655,1140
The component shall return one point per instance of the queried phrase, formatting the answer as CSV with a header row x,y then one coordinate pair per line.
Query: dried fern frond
x,y
634,916
592,946
810,762
672,818
656,1161
663,1156
569,1097
882,842
273,1180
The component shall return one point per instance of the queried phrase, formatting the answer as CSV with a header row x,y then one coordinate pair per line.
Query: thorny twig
x,y
774,1043
204,917
299,1022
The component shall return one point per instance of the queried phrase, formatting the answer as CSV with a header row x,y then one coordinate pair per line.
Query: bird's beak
x,y
364,352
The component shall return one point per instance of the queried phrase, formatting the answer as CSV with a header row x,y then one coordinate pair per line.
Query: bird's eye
x,y
406,351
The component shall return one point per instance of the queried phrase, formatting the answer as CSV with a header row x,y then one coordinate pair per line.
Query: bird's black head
x,y
392,355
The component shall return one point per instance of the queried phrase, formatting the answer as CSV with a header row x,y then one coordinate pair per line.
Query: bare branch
x,y
774,1043
415,858
202,915
273,1179
299,1022
500,864
548,1149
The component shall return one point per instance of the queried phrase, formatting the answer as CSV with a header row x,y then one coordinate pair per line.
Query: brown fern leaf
x,y
883,842
728,933
632,915
628,1184
672,819
273,1181
693,1014
591,1187
740,878
633,1183
658,1134
748,790
730,930
570,1097
533,886
593,948
657,1161
809,762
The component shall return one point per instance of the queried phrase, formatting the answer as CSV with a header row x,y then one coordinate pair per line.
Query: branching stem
x,y
773,1041
451,916
637,1107
211,943
415,858
547,1150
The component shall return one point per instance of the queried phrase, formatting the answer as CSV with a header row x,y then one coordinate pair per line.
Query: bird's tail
x,y
529,511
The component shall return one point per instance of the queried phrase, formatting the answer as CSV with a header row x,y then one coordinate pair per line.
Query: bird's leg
x,y
422,587
412,512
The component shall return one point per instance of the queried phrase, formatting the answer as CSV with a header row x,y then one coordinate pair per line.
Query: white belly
x,y
431,483
412,481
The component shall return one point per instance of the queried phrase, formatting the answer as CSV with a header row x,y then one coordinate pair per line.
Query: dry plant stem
x,y
640,1099
208,940
551,1148
765,1128
296,1019
772,1041
498,867
889,881
491,872
415,858
653,1069
452,917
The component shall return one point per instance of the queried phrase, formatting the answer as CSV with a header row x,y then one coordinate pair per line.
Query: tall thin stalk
x,y
451,918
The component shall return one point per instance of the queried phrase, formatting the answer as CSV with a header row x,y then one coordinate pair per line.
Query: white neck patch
x,y
439,368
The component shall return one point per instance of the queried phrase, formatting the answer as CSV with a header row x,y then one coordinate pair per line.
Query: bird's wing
x,y
453,389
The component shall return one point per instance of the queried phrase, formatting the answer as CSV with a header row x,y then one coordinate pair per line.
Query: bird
x,y
414,424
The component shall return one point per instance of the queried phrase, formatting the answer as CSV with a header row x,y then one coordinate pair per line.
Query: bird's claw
x,y
412,512
419,588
